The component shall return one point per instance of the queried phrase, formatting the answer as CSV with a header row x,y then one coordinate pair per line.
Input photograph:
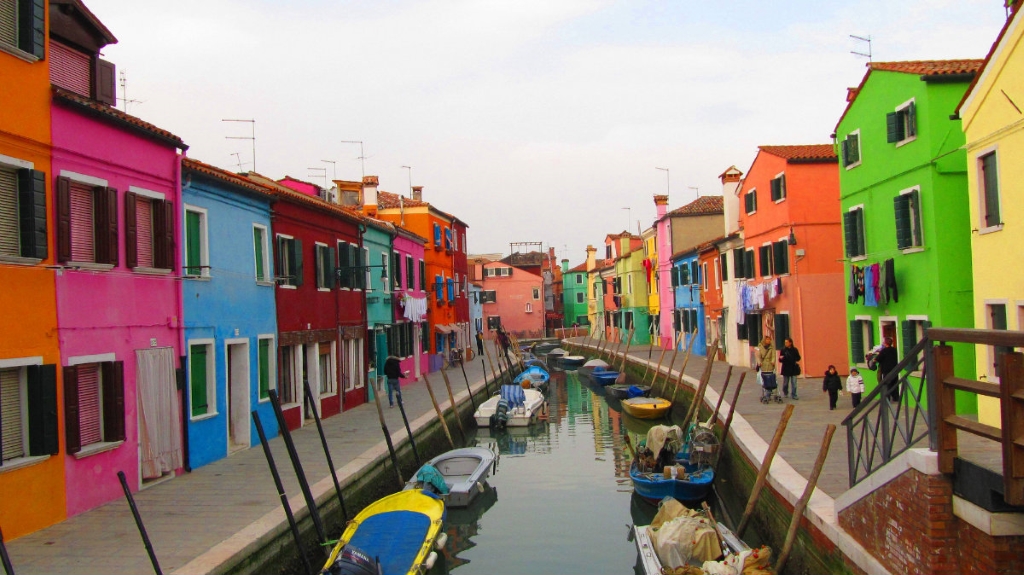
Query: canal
x,y
560,499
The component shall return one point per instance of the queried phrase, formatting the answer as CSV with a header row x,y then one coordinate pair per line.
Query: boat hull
x,y
604,377
647,409
465,471
654,487
572,361
517,417
621,390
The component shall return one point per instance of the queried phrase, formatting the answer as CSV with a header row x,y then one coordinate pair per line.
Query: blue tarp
x,y
514,395
634,391
394,538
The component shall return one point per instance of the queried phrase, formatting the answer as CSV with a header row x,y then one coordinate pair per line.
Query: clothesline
x,y
750,297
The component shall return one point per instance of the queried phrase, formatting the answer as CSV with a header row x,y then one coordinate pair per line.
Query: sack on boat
x,y
679,539
660,435
749,562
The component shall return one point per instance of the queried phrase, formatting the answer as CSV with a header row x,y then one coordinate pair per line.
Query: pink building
x,y
666,292
118,211
512,298
410,295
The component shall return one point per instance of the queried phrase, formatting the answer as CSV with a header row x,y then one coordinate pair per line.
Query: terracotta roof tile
x,y
195,165
930,67
288,194
580,268
389,201
702,206
104,111
806,153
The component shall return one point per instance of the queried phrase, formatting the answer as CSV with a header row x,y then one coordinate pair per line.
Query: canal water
x,y
560,499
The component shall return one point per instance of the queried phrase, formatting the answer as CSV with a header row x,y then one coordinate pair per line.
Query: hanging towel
x,y
851,292
883,278
869,288
875,273
778,286
890,280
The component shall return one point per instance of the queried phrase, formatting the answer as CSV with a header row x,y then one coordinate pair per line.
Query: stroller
x,y
769,387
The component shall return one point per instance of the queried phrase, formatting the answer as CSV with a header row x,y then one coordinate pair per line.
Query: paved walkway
x,y
198,519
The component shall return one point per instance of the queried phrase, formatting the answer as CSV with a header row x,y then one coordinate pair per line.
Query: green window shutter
x,y
856,341
257,239
750,264
193,253
32,27
737,263
197,379
861,242
911,115
781,329
774,185
725,266
694,272
892,128
345,265
989,169
113,400
853,148
360,257
909,332
850,234
32,213
329,273
264,367
741,331
901,207
423,277
43,423
296,247
764,261
915,217
844,152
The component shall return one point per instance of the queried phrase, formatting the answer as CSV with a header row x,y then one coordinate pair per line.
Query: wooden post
x,y
664,350
693,412
668,376
801,505
387,436
682,370
946,408
444,424
622,366
455,408
732,406
1011,384
721,396
762,474
494,374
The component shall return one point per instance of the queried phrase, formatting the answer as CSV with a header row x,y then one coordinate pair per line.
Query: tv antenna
x,y
867,41
322,174
252,137
238,160
123,81
362,156
334,168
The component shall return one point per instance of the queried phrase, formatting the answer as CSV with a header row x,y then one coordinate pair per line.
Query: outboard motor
x,y
500,416
354,561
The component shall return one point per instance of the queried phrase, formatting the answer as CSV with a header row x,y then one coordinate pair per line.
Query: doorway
x,y
238,377
160,433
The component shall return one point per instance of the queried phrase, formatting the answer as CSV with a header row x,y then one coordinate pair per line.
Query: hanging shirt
x,y
870,284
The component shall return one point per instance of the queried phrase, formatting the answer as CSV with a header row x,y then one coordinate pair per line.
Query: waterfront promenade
x,y
200,520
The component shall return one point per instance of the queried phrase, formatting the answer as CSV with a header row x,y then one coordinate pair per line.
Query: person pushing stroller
x,y
766,371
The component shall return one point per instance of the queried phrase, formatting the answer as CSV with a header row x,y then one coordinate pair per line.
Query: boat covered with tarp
x,y
461,472
512,406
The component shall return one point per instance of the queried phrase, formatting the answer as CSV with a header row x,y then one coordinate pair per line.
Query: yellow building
x,y
993,123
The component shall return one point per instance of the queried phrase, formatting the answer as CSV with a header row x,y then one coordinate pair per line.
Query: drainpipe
x,y
366,324
180,305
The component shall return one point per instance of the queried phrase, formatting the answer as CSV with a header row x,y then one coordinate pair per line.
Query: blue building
x,y
230,318
688,312
380,277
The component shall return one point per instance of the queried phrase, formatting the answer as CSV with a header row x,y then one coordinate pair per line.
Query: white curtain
x,y
159,412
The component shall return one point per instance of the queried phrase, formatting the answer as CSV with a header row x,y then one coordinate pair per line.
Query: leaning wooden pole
x,y
668,376
657,372
693,412
5,559
387,437
732,406
801,505
721,396
455,408
762,474
682,370
494,374
621,378
437,409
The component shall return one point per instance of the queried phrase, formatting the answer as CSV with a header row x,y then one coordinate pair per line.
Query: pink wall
x,y
512,294
115,311
404,245
666,293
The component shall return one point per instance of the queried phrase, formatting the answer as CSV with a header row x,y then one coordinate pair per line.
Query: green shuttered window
x,y
781,329
264,367
198,379
853,232
750,201
193,243
990,184
259,241
778,188
907,208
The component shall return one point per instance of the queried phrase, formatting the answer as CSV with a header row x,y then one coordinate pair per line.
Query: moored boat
x,y
513,406
572,361
604,375
464,472
534,376
393,535
685,483
588,367
647,407
625,391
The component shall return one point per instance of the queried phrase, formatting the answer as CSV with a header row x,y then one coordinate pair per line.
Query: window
x,y
367,282
764,254
149,233
853,232
748,265
493,322
778,188
780,257
781,330
396,268
579,279
723,266
385,267
261,253
989,179
350,356
28,411
438,289
289,260
850,150
423,274
202,379
22,211
288,390
704,275
901,125
450,282
755,330
488,296
907,207
265,361
86,221
324,267
862,338
913,331
437,236
410,280
739,263
325,363
22,26
93,404
629,283
579,297
750,201
582,320
351,264
694,272
608,252
448,239
627,320
529,307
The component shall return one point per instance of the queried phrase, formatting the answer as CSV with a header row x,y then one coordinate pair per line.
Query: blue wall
x,y
688,299
379,306
229,305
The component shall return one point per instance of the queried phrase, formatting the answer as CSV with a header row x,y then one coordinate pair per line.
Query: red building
x,y
321,315
460,266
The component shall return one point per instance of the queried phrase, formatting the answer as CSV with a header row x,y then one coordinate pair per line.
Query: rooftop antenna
x,y
696,189
334,168
323,174
862,39
629,217
238,160
252,122
410,178
123,81
362,156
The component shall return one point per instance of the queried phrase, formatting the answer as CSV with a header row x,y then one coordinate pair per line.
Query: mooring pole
x,y
5,559
387,438
455,408
657,372
293,454
490,361
327,452
721,396
487,384
732,406
682,370
671,363
472,401
762,474
408,431
801,505
138,523
693,412
440,415
280,491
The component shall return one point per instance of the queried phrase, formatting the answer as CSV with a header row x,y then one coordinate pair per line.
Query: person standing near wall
x,y
855,386
393,371
479,344
887,359
831,385
766,361
789,357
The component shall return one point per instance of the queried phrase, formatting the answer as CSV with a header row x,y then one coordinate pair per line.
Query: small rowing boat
x,y
647,407
464,472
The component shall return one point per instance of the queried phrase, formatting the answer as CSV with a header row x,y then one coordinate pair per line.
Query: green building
x,y
574,294
903,191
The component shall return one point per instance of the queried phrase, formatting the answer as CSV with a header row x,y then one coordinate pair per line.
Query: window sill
x,y
326,394
95,448
990,229
291,405
853,165
203,417
20,260
858,258
288,286
913,250
264,283
13,464
780,200
193,278
264,399
160,272
906,141
90,266
323,289
18,53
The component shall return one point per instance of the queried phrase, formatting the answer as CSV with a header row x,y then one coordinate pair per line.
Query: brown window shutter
x,y
167,237
131,245
110,228
104,82
71,427
158,227
63,220
113,401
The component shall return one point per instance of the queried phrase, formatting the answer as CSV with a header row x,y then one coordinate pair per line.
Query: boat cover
x,y
514,395
394,538
429,475
634,391
659,435
679,533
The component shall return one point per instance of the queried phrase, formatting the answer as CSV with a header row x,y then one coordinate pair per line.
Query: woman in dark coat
x,y
832,384
788,357
887,359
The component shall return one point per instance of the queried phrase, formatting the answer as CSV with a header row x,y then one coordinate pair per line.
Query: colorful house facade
x,y
791,260
31,388
995,180
574,294
630,287
736,350
905,209
595,299
713,276
409,331
651,273
513,299
230,321
688,313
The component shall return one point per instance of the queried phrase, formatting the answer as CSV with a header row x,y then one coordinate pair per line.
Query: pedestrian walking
x,y
505,341
393,371
855,386
831,385
766,362
479,344
789,357
886,359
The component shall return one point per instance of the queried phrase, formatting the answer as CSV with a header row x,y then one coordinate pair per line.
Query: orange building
x,y
712,277
792,254
31,476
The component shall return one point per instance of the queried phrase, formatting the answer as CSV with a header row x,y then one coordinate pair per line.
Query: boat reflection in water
x,y
462,525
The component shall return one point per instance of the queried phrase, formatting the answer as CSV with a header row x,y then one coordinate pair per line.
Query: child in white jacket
x,y
855,386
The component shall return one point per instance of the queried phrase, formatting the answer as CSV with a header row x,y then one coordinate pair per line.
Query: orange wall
x,y
25,94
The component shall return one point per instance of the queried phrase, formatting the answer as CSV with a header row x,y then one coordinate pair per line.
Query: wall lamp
x,y
792,237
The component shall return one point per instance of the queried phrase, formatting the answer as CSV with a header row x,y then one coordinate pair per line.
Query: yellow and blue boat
x,y
395,535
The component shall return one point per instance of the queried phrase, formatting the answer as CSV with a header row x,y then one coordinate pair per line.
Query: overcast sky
x,y
531,120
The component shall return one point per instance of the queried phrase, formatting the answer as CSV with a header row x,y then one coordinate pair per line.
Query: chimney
x,y
370,195
661,203
417,193
851,93
731,180
565,266
591,258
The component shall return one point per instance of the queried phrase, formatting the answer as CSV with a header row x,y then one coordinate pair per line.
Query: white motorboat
x,y
464,471
513,406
